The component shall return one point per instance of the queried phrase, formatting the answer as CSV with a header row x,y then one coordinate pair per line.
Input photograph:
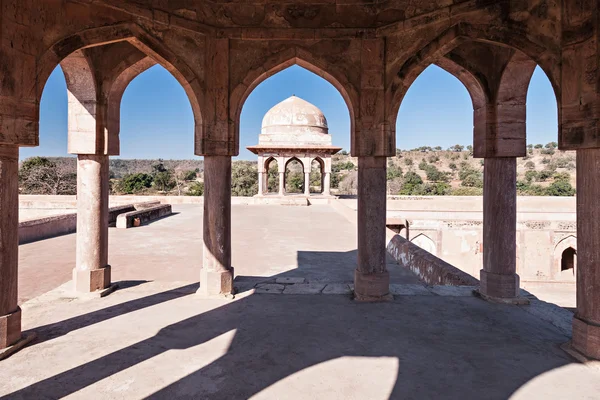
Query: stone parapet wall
x,y
429,268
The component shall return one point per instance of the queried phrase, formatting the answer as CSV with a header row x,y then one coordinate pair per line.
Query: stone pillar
x,y
586,323
216,276
307,183
499,280
92,271
281,183
371,278
327,184
10,313
261,183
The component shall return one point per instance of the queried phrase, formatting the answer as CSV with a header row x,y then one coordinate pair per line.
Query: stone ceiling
x,y
292,14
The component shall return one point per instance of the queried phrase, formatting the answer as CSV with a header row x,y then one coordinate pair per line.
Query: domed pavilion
x,y
294,130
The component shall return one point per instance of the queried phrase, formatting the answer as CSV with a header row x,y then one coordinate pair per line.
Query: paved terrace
x,y
155,338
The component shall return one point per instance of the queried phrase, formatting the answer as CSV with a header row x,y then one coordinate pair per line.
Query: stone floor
x,y
154,338
160,340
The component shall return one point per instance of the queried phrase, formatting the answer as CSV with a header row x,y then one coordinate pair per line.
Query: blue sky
x,y
157,121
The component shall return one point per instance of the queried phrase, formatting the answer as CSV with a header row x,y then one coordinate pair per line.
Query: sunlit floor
x,y
154,337
161,340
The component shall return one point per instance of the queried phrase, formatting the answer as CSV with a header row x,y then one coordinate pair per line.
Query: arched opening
x,y
434,130
425,243
272,172
317,175
295,81
294,176
545,170
156,138
568,262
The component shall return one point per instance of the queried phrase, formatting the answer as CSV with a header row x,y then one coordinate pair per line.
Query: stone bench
x,y
143,216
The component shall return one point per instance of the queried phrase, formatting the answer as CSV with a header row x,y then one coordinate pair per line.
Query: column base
x,y
517,301
497,286
372,287
216,283
10,329
92,281
586,338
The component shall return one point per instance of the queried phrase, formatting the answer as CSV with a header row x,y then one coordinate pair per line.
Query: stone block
x,y
337,288
289,280
586,338
215,283
86,281
269,288
10,329
304,288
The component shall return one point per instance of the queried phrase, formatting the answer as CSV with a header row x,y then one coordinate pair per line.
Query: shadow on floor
x,y
445,347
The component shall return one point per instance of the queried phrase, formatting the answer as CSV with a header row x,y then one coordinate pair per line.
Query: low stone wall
x,y
143,216
44,228
429,268
63,224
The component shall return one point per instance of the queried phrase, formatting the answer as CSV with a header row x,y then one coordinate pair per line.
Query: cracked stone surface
x,y
304,288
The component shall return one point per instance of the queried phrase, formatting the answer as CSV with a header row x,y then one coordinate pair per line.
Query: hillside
x,y
423,171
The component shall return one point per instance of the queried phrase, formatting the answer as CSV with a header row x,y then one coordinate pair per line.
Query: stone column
x,y
307,183
281,183
371,278
499,280
216,276
586,323
10,313
327,184
260,183
92,271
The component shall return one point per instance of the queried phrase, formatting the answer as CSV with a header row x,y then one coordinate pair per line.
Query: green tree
x,y
473,180
39,175
134,183
163,178
196,189
244,178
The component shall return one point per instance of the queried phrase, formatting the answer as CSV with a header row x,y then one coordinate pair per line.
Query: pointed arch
x,y
425,242
283,60
558,262
458,34
139,38
115,96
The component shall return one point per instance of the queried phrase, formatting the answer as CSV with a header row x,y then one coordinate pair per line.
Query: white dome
x,y
294,122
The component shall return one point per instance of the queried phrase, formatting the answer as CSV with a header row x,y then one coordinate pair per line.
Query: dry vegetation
x,y
423,171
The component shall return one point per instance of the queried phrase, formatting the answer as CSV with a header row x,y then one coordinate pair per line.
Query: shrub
x,y
531,176
433,159
544,175
467,191
549,151
423,165
134,183
530,165
560,188
394,172
473,180
408,161
435,175
343,166
452,166
538,146
196,189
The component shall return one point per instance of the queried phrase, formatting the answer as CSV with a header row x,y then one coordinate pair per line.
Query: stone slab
x,y
290,279
409,290
269,288
304,288
460,291
337,288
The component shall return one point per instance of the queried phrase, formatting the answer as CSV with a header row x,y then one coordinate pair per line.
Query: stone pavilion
x,y
294,130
